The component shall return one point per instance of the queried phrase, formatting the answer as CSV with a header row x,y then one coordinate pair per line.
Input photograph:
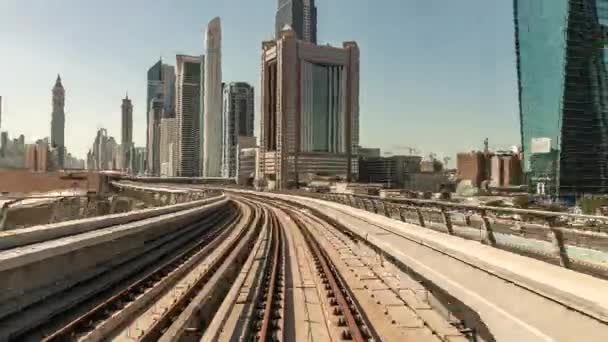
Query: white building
x,y
168,147
212,106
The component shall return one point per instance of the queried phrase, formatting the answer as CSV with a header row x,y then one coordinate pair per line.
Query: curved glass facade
x,y
561,60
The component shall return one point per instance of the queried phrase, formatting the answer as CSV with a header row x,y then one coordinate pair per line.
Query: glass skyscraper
x,y
562,59
301,16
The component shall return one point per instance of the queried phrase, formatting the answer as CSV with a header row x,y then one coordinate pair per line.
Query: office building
x,y
212,125
188,95
37,156
505,169
247,160
389,171
168,147
310,110
157,109
161,81
472,166
126,131
368,152
238,110
58,122
562,79
301,16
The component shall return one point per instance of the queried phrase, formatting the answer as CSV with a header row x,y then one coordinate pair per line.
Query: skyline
x,y
424,69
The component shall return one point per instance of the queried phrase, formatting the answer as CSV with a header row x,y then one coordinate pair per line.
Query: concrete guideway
x,y
269,266
520,299
36,234
34,277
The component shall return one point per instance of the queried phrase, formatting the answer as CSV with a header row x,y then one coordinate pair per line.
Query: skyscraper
x,y
58,122
562,57
238,112
161,80
126,129
212,106
154,117
310,110
188,104
301,16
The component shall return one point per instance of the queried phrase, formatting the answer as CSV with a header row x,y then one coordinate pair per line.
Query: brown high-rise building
x,y
310,110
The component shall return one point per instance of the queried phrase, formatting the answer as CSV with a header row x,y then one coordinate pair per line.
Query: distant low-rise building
x,y
472,166
390,171
37,157
368,152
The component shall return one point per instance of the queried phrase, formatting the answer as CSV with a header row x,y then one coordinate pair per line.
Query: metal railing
x,y
545,235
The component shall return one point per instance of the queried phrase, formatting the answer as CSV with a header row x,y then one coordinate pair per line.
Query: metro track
x,y
267,269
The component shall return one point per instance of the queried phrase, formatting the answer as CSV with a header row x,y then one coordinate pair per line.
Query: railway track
x,y
42,318
269,270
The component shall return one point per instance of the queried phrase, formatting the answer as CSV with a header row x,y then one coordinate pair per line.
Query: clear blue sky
x,y
438,75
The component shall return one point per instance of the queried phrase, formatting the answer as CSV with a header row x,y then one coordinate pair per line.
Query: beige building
x,y
168,147
310,111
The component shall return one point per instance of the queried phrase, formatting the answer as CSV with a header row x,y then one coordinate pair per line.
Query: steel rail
x,y
271,294
158,328
327,270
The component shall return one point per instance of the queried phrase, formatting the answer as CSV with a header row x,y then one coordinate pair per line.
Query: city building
x,y
37,156
161,81
247,161
301,16
106,153
126,131
0,113
188,95
505,169
431,165
238,110
12,153
389,171
309,110
472,166
168,147
212,125
58,122
365,152
139,160
562,81
157,108
3,143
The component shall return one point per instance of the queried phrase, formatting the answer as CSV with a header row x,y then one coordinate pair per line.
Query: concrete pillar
x,y
447,220
487,227
557,238
420,217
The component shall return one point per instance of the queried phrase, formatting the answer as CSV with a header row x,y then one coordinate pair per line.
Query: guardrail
x,y
545,235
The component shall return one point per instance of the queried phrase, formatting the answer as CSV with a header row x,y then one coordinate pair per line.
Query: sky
x,y
436,75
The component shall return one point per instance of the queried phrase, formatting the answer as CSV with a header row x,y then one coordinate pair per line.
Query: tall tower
x,y
188,88
58,122
301,16
212,126
127,131
563,101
